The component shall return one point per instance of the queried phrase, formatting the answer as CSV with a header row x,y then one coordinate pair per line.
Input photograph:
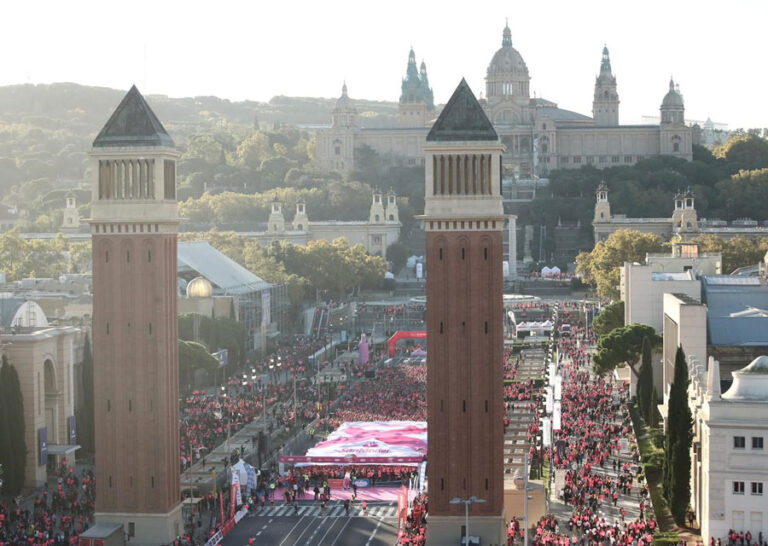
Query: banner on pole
x,y
546,432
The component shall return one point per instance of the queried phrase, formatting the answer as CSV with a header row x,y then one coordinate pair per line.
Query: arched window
x,y
391,217
376,218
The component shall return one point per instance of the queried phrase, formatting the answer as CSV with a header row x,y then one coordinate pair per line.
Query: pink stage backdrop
x,y
376,442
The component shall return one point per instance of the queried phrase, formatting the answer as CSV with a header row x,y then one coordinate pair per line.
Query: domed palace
x,y
538,135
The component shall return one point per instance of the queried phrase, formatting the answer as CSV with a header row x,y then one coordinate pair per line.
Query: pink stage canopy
x,y
376,442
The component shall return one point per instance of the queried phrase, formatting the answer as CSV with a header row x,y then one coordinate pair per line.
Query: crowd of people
x,y
57,516
414,530
207,418
399,393
594,457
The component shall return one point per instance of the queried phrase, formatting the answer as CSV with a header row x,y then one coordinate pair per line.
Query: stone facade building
x,y
538,135
378,232
684,221
729,478
45,357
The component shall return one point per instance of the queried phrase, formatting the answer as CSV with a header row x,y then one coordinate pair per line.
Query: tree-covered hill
x,y
46,132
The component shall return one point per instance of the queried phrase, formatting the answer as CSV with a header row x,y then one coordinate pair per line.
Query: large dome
x,y
507,60
673,98
344,102
507,77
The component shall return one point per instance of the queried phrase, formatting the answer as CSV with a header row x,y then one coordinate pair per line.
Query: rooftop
x,y
462,119
133,124
227,275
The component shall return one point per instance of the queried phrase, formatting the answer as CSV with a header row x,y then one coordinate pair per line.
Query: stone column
x,y
512,227
527,257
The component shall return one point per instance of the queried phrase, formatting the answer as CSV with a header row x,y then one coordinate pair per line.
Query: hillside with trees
x,y
243,147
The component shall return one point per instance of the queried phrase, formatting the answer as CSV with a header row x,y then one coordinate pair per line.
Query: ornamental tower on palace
x,y
134,224
464,219
605,106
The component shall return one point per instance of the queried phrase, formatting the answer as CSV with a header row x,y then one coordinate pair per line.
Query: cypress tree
x,y
677,463
645,380
652,412
13,447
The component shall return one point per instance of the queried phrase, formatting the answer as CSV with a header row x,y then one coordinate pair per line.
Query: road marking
x,y
340,533
289,532
331,526
374,533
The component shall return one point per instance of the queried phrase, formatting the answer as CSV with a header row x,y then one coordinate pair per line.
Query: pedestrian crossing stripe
x,y
332,511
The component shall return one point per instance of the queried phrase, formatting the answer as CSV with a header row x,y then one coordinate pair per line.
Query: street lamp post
x,y
466,503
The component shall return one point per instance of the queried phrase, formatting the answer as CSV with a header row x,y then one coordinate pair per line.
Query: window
x,y
577,159
603,159
627,159
614,159
675,146
757,442
169,179
757,488
738,488
564,159
590,159
739,442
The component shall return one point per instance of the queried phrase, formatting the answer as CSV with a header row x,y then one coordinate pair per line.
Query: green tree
x,y
652,408
254,149
610,318
194,357
601,265
645,381
747,150
679,435
13,446
622,346
397,253
737,251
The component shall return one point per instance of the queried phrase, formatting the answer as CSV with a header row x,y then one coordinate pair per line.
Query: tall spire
x,y
344,89
605,64
507,35
411,71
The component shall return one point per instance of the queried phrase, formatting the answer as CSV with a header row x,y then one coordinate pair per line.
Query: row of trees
x,y
337,200
41,258
334,268
13,447
600,266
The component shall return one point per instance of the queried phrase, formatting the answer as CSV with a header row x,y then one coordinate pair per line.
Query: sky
x,y
256,49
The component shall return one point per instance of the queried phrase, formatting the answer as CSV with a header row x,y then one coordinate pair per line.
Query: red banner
x,y
221,506
350,459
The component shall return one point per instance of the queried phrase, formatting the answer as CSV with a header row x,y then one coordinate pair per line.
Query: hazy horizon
x,y
243,51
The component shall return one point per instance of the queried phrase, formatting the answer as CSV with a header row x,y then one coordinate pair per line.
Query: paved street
x,y
279,526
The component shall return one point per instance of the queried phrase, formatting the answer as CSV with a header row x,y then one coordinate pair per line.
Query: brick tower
x,y
464,219
134,223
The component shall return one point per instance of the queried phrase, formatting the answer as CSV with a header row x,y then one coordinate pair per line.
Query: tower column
x,y
135,326
465,327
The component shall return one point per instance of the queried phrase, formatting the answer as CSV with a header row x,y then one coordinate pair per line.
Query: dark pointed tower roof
x,y
133,124
462,119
